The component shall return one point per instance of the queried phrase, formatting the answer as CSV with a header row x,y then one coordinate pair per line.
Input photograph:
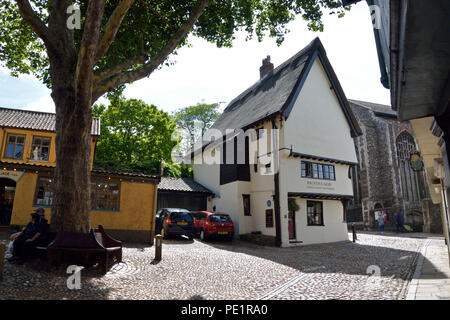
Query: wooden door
x,y
291,224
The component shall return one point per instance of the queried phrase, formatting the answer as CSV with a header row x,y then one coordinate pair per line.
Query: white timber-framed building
x,y
295,190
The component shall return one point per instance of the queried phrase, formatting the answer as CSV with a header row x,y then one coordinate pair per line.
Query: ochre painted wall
x,y
23,199
136,209
28,144
136,206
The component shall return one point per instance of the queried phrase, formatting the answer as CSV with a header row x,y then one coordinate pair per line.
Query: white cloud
x,y
44,104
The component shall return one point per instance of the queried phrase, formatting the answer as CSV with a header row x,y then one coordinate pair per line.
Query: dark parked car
x,y
174,221
213,224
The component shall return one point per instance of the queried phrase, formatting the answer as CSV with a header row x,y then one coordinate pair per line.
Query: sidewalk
x,y
431,281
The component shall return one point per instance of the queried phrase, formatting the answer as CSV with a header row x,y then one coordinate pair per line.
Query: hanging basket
x,y
292,205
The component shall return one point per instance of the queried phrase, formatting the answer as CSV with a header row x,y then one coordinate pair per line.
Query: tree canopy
x,y
195,120
136,137
138,36
133,131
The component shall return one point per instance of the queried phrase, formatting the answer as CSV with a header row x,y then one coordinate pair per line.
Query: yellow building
x,y
124,203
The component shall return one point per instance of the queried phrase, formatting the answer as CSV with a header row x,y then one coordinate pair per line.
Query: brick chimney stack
x,y
266,67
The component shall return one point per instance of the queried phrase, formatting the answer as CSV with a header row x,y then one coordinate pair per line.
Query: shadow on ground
x,y
34,280
340,257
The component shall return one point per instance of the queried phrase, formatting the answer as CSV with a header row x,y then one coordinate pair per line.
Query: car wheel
x,y
202,235
190,236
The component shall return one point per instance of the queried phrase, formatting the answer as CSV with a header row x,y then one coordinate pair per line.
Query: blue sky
x,y
204,73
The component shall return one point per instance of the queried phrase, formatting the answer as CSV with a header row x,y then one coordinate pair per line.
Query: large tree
x,y
133,131
120,41
136,137
195,120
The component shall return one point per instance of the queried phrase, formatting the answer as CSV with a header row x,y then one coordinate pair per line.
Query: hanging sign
x,y
416,162
13,175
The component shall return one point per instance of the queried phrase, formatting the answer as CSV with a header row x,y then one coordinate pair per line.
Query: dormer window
x,y
15,146
41,149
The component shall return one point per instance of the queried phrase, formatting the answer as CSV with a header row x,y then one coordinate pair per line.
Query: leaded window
x,y
409,178
317,170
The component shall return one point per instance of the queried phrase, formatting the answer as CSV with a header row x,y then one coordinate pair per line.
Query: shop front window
x,y
105,195
44,191
14,147
40,149
314,213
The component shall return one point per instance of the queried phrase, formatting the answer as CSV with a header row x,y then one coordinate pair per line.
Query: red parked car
x,y
213,224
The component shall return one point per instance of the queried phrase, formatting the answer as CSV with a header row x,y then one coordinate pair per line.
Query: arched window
x,y
410,180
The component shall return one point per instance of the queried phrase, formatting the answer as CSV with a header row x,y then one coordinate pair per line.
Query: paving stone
x,y
236,270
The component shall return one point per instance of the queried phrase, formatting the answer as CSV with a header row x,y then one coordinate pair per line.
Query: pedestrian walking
x,y
381,222
399,219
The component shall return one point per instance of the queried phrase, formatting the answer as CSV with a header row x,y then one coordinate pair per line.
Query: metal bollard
x,y
158,247
2,258
354,233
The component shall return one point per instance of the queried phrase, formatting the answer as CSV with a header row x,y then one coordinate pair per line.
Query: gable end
x,y
320,52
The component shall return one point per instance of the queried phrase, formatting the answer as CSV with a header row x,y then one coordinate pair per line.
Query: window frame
x,y
36,192
40,148
248,212
94,202
308,202
308,169
16,135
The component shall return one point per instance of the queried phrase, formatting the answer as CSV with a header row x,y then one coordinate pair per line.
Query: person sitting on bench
x,y
34,234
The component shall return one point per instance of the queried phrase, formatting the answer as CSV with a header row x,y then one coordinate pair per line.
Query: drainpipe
x,y
276,198
152,226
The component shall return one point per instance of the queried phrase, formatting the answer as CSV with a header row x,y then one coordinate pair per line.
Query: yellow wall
x,y
23,199
136,206
29,134
136,209
430,150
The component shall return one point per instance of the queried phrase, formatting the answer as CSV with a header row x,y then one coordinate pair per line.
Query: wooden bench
x,y
85,249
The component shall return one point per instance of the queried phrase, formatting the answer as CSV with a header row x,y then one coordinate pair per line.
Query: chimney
x,y
266,67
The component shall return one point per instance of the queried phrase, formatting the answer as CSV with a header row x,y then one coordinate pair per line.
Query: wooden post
x,y
2,258
158,247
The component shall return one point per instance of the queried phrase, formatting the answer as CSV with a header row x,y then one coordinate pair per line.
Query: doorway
x,y
7,193
291,225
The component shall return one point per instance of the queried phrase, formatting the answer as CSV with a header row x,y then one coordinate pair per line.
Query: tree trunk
x,y
72,178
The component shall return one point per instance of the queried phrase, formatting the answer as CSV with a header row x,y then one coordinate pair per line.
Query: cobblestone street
x,y
239,270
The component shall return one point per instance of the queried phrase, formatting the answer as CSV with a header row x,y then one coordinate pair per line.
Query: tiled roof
x,y
181,184
274,93
125,174
94,171
375,107
268,95
35,120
